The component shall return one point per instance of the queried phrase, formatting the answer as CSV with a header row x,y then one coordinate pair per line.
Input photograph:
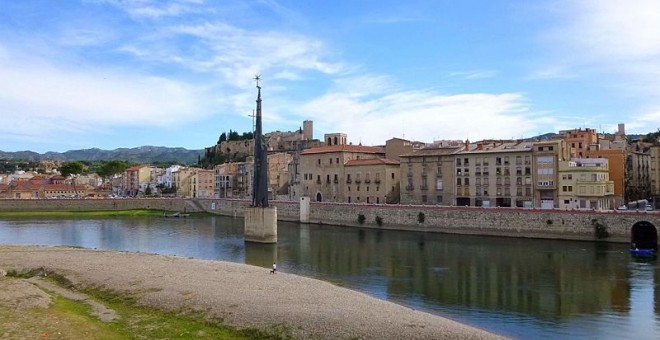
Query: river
x,y
521,288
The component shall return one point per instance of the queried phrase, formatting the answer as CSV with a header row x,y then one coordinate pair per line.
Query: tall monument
x,y
260,219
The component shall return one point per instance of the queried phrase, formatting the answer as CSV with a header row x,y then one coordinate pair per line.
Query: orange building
x,y
617,165
580,141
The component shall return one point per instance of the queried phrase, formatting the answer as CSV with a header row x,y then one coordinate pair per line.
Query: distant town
x,y
577,169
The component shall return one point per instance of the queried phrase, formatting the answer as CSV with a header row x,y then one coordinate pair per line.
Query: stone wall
x,y
531,223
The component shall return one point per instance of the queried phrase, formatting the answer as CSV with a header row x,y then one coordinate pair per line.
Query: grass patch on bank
x,y
158,324
95,213
69,319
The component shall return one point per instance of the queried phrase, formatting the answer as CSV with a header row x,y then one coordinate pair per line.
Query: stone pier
x,y
261,224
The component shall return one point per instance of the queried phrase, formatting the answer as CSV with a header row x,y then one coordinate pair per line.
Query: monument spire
x,y
260,182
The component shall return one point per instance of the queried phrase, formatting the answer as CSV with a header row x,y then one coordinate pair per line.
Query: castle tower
x,y
308,130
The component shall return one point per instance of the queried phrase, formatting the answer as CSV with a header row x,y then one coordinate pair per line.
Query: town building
x,y
545,163
200,184
322,174
584,184
373,181
428,176
135,178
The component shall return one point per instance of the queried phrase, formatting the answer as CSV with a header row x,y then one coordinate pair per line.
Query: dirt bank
x,y
241,295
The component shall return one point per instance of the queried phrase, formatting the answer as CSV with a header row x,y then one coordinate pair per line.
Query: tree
x,y
110,168
72,168
147,191
223,137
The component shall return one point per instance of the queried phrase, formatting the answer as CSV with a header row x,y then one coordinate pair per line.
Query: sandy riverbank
x,y
242,295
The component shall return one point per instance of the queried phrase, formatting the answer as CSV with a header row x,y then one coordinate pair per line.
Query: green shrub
x,y
421,217
379,220
361,218
600,229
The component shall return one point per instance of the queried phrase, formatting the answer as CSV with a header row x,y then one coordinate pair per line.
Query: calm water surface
x,y
515,287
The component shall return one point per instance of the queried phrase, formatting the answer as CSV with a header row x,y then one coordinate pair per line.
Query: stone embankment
x,y
512,222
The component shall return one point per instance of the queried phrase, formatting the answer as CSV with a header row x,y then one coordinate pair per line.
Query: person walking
x,y
274,268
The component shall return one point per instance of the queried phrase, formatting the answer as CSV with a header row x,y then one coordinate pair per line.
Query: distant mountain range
x,y
142,154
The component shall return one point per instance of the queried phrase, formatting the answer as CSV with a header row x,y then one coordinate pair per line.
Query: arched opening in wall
x,y
644,235
335,140
319,198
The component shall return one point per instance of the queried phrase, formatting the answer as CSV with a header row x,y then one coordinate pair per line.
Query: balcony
x,y
424,187
358,181
349,181
336,181
377,181
367,181
410,188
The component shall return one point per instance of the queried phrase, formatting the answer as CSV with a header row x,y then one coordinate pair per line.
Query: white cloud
x,y
619,40
42,99
421,115
156,9
474,74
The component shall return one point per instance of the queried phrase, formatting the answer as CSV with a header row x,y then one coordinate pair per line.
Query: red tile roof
x,y
375,161
343,148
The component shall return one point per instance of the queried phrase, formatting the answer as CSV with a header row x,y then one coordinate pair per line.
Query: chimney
x,y
480,146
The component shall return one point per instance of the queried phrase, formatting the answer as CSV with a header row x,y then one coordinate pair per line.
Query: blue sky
x,y
111,73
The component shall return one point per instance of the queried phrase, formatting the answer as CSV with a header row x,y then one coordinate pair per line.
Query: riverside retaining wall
x,y
532,223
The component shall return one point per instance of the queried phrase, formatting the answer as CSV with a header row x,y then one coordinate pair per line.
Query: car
x,y
623,207
649,207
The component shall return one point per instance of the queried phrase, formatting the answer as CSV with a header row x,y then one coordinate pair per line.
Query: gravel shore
x,y
241,295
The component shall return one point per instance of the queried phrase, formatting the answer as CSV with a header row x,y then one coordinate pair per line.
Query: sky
x,y
77,74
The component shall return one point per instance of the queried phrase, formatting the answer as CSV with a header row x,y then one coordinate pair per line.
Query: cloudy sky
x,y
78,74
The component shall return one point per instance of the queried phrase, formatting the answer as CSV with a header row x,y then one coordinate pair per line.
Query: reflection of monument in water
x,y
260,219
260,254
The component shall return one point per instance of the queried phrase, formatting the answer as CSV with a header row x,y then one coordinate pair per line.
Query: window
x,y
392,175
458,181
319,161
330,160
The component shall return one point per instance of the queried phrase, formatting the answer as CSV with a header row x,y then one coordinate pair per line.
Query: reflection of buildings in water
x,y
643,297
543,278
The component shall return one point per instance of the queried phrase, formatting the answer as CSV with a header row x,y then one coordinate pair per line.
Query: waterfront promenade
x,y
240,295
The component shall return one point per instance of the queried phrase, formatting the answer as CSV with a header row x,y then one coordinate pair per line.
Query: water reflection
x,y
517,287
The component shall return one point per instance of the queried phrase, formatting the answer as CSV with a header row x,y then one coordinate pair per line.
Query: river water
x,y
520,288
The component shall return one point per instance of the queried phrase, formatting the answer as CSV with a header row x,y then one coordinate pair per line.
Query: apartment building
x,y
654,152
374,181
637,173
201,183
495,174
579,141
135,178
428,176
323,169
546,156
584,184
224,180
181,181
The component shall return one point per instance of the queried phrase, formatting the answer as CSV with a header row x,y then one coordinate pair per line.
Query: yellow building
x,y
584,184
201,183
181,181
134,178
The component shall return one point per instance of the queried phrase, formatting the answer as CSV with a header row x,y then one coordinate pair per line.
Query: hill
x,y
142,154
